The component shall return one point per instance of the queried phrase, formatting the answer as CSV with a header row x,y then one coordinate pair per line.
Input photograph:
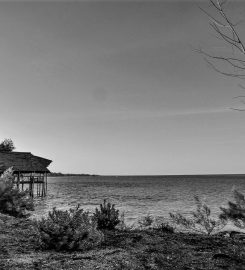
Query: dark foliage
x,y
165,227
107,217
235,211
14,202
146,222
68,230
7,145
200,220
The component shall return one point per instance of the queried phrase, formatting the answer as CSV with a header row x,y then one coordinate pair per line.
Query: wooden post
x,y
22,182
46,180
18,180
37,186
29,177
42,184
31,185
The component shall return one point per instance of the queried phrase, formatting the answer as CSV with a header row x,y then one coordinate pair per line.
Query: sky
x,y
115,87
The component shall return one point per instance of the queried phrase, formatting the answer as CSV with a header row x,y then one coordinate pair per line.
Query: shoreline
x,y
136,249
148,175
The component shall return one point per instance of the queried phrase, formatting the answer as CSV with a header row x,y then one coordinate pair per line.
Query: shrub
x,y
200,220
13,202
235,211
146,222
7,145
68,230
165,227
107,217
122,226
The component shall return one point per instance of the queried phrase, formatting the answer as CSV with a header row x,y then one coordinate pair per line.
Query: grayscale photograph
x,y
122,134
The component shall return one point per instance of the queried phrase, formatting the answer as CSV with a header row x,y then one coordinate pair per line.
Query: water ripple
x,y
140,195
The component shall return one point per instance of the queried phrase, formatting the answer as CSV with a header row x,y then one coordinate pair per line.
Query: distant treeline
x,y
70,174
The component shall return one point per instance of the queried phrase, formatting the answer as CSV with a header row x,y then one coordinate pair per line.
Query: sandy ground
x,y
132,250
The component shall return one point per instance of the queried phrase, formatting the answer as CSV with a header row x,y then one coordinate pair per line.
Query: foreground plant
x,y
235,211
200,220
146,222
68,230
165,227
14,202
107,216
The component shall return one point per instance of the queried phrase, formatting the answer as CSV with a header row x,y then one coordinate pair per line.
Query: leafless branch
x,y
226,30
235,109
229,74
234,62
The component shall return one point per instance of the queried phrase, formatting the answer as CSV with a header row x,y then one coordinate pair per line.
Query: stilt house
x,y
29,171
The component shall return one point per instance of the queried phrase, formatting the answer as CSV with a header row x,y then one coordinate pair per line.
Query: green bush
x,y
107,217
13,202
200,220
235,211
68,230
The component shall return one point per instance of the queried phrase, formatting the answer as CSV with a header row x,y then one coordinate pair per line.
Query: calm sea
x,y
138,196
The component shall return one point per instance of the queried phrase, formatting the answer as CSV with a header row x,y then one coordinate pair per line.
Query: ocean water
x,y
138,196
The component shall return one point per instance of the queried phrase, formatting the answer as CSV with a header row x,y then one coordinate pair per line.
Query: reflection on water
x,y
138,196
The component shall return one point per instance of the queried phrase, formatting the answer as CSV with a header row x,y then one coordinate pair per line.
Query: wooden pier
x,y
30,171
36,183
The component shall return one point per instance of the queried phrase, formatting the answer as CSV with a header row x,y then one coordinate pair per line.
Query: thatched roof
x,y
23,162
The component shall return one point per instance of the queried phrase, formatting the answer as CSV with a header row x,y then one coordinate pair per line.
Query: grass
x,y
133,250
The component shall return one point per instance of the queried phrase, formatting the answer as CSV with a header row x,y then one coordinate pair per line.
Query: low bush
x,y
200,220
14,202
106,217
146,222
165,227
122,226
68,230
235,211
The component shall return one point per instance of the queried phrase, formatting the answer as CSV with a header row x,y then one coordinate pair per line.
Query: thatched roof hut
x,y
28,169
23,162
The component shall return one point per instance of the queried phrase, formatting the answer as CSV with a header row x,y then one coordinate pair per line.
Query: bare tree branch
x,y
228,74
230,60
226,30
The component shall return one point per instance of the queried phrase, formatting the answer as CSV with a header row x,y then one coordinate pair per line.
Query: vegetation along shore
x,y
76,239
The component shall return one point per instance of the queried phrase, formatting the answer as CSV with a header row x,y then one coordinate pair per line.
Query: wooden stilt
x,y
46,182
18,179
37,188
32,181
37,183
22,183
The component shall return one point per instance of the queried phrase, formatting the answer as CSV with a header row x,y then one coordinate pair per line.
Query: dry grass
x,y
132,250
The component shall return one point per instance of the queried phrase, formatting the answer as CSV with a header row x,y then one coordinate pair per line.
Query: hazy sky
x,y
115,88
